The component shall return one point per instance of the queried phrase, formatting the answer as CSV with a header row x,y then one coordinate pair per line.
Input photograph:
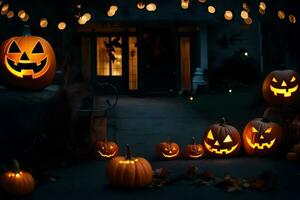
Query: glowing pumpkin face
x,y
194,150
222,140
261,137
106,149
281,87
167,150
28,62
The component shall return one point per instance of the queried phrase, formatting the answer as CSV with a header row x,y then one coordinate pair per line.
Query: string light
x,y
202,1
246,7
43,22
248,21
228,15
185,4
211,9
281,14
292,19
26,18
88,16
61,25
10,14
21,14
151,7
244,14
4,9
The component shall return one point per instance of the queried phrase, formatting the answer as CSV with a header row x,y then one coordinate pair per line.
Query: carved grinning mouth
x,y
286,92
170,156
107,156
221,151
27,66
261,146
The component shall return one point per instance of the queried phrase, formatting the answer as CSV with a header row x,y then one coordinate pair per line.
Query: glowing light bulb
x,y
62,25
211,9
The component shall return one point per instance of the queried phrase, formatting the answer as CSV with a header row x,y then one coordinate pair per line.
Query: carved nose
x,y
217,143
283,84
261,137
24,56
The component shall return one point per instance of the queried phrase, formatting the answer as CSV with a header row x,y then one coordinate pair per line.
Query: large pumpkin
x,y
281,87
17,182
167,150
27,62
193,150
261,137
106,149
129,172
222,140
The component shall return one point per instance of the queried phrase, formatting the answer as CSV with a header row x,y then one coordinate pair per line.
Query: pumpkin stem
x,y
222,121
193,140
265,119
16,167
168,140
26,31
129,154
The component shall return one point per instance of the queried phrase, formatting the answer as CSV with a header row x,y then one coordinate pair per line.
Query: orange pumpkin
x,y
106,149
129,172
17,182
281,87
261,137
167,150
27,62
194,150
222,140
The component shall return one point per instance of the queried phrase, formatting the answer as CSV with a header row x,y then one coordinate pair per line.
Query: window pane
x,y
102,56
133,78
116,64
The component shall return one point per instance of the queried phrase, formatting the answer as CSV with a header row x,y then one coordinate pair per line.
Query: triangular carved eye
x,y
14,48
227,139
274,80
254,130
210,135
38,48
268,130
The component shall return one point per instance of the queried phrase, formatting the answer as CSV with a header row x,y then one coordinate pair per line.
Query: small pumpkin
x,y
222,140
260,137
129,172
106,149
167,150
27,62
17,182
281,87
193,150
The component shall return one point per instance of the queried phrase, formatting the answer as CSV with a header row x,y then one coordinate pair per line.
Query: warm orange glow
x,y
262,145
111,13
185,4
286,92
21,14
140,5
107,155
281,14
87,16
211,9
244,14
202,1
61,25
43,22
4,9
248,21
10,14
113,8
292,19
262,6
151,7
82,20
246,7
228,15
220,151
26,18
133,63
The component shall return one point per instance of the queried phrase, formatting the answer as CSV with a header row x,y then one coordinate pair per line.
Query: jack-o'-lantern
x,y
222,140
129,172
106,149
281,87
17,182
27,62
167,150
261,137
194,150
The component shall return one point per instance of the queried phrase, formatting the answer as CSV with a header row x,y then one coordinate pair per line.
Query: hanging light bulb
x,y
21,14
61,25
26,18
244,14
113,8
246,7
281,14
82,20
87,16
151,7
185,4
262,6
140,5
228,15
10,14
292,19
4,9
43,22
211,9
248,21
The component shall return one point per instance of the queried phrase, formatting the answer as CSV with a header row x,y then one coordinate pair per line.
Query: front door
x,y
158,60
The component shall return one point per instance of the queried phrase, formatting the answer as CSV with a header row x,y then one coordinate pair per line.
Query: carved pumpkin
x,y
27,62
281,87
129,172
261,137
194,150
17,182
222,140
106,149
167,150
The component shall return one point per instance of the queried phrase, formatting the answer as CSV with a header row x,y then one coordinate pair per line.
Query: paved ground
x,y
143,122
